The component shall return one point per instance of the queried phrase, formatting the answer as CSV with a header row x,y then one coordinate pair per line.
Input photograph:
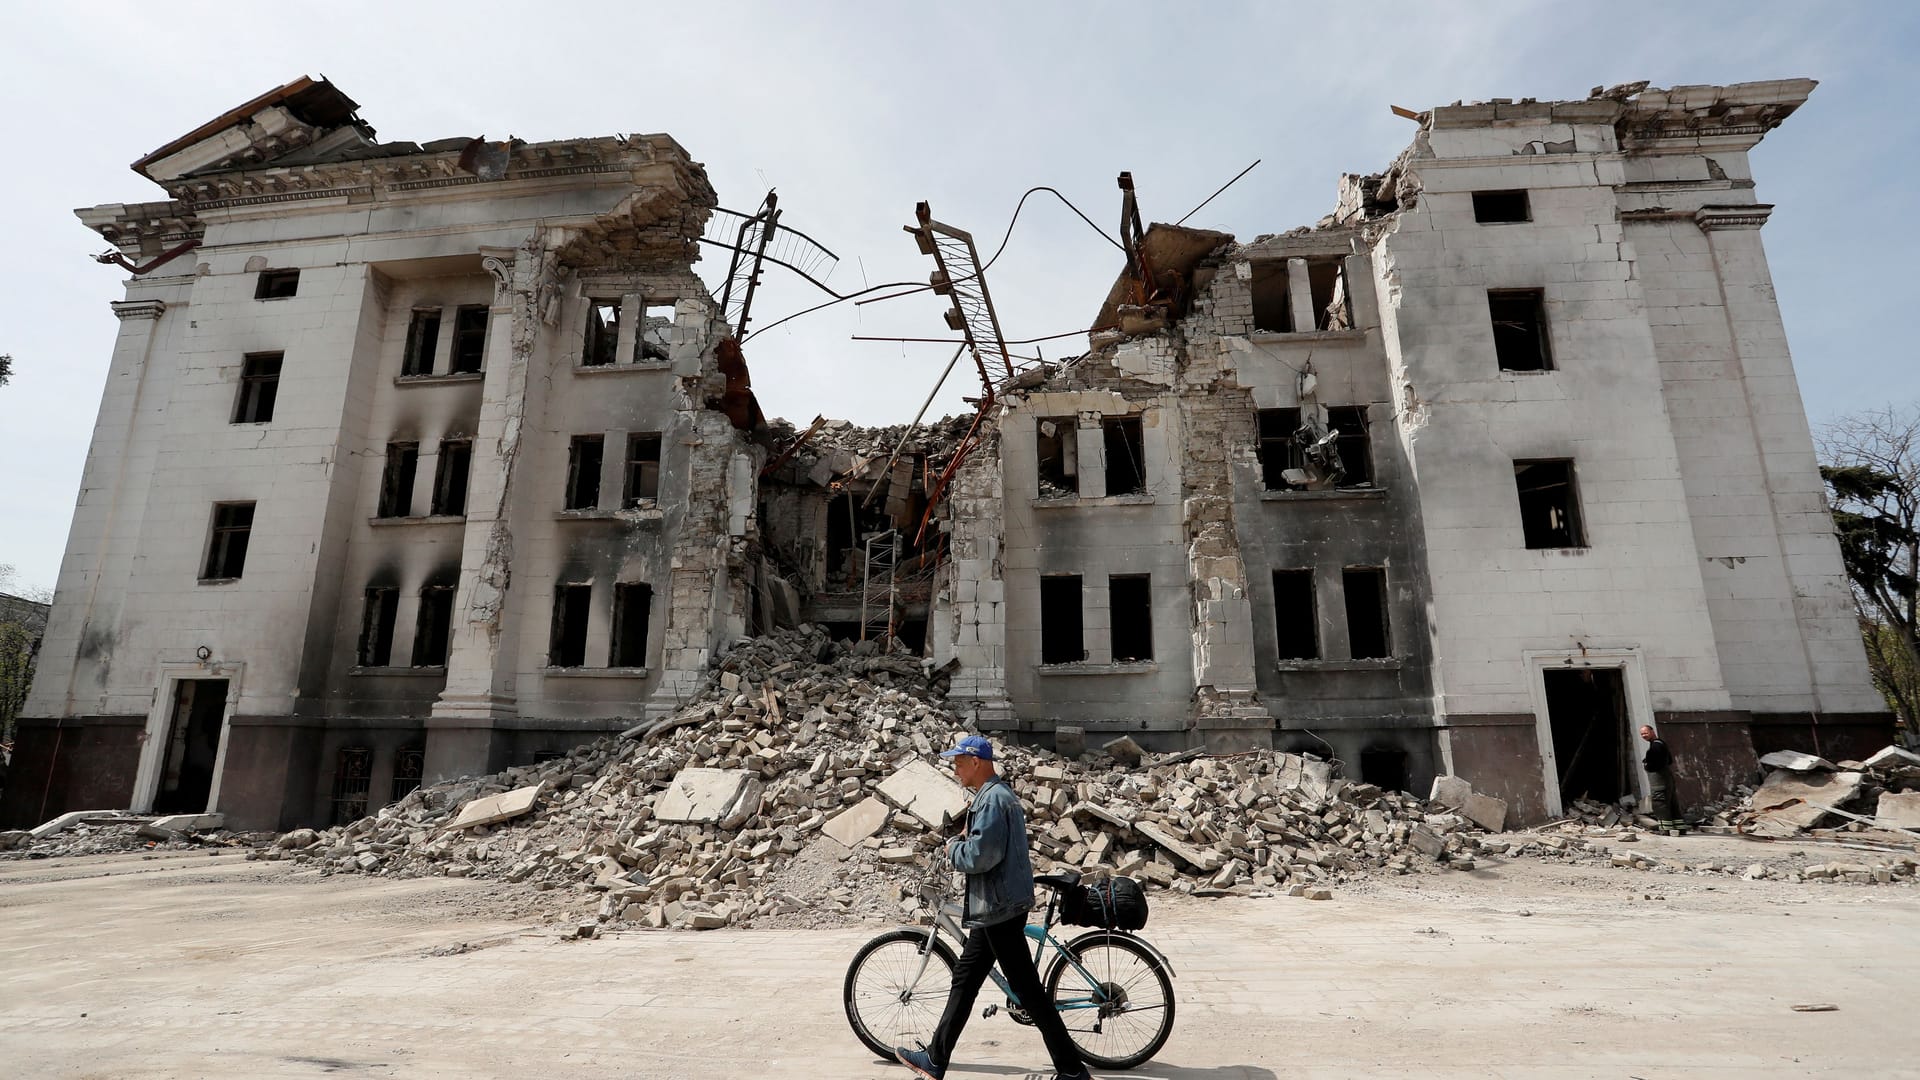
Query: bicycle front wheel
x,y
1115,998
896,990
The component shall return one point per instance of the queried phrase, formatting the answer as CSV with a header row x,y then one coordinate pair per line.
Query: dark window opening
x,y
450,477
1058,455
433,634
653,337
1126,455
1353,447
469,338
567,646
227,548
1366,592
423,340
1295,615
1130,610
632,607
352,780
409,767
1385,767
583,472
1520,329
1062,640
603,333
1496,207
276,284
396,480
643,469
1272,303
1327,285
1279,449
376,626
1549,504
259,386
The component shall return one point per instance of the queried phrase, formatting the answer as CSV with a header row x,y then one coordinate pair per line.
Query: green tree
x,y
1872,473
21,626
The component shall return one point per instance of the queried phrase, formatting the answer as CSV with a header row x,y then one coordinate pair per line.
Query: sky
x,y
854,112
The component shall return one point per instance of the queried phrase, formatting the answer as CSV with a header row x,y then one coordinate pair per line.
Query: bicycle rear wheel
x,y
892,998
1115,998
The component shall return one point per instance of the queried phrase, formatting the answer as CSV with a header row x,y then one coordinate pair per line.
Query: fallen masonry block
x,y
1891,757
1125,751
856,824
1796,761
1321,893
1428,842
13,838
1789,802
493,808
1200,860
1483,810
1100,813
1898,810
87,817
191,822
708,797
926,793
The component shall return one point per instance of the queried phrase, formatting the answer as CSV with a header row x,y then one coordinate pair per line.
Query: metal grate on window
x,y
409,765
352,779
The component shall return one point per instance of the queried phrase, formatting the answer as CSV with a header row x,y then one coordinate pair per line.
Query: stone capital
x,y
1746,216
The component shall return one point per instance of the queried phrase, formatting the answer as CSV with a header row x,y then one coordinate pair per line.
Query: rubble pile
x,y
111,832
1802,793
840,447
799,781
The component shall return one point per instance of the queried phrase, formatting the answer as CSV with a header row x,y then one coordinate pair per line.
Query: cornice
x,y
1748,216
137,309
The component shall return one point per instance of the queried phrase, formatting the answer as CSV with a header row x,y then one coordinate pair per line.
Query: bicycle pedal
x,y
987,1013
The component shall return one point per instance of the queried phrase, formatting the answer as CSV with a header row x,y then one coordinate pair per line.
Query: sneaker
x,y
919,1061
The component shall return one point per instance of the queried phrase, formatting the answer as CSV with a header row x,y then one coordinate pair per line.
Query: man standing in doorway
x,y
993,855
1659,765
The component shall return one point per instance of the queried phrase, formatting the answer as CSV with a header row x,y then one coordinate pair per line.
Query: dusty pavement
x,y
189,965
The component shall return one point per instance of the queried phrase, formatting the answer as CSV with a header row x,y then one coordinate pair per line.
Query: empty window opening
x,y
1062,640
1130,609
1126,455
1279,449
433,634
583,472
567,646
259,385
1385,767
1587,712
396,480
632,608
1272,303
376,626
653,337
603,333
1366,593
227,547
469,338
352,780
423,340
193,746
409,767
1549,504
276,284
1355,452
1295,615
1498,207
1057,450
1327,284
643,470
1520,329
450,477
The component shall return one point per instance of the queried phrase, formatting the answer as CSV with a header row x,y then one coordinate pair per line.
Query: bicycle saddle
x,y
1065,879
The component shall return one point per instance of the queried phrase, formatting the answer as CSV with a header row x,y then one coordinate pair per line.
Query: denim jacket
x,y
993,855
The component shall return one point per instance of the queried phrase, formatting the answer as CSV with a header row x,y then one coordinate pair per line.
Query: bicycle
x,y
1113,989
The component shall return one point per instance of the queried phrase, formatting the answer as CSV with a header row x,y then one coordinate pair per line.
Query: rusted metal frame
x,y
959,455
767,220
165,257
915,424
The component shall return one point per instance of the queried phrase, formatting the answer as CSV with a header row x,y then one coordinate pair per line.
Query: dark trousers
x,y
1660,795
1005,942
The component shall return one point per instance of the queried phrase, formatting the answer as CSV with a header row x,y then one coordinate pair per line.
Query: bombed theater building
x,y
419,460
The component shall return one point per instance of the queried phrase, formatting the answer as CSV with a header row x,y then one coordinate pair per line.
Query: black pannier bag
x,y
1114,904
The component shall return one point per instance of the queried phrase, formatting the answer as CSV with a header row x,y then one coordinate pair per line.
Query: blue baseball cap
x,y
972,746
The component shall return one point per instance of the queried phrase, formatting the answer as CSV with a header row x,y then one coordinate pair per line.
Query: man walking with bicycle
x,y
993,855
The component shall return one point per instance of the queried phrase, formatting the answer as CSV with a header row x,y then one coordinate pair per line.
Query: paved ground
x,y
194,966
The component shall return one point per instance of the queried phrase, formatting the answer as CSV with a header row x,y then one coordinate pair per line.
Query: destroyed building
x,y
1499,461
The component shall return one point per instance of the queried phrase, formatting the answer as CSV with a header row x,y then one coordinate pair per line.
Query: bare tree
x,y
6,369
1872,472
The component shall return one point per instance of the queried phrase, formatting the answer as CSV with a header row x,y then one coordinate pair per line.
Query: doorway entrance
x,y
192,746
1587,710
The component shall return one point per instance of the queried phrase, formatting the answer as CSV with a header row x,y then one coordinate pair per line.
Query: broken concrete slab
x,y
1796,761
191,822
1483,810
496,808
706,796
925,792
1898,810
1891,757
1197,858
859,822
1789,802
1125,751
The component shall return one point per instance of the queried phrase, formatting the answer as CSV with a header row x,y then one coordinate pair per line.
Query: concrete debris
x,y
496,808
841,809
1483,810
1898,810
116,832
1795,761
